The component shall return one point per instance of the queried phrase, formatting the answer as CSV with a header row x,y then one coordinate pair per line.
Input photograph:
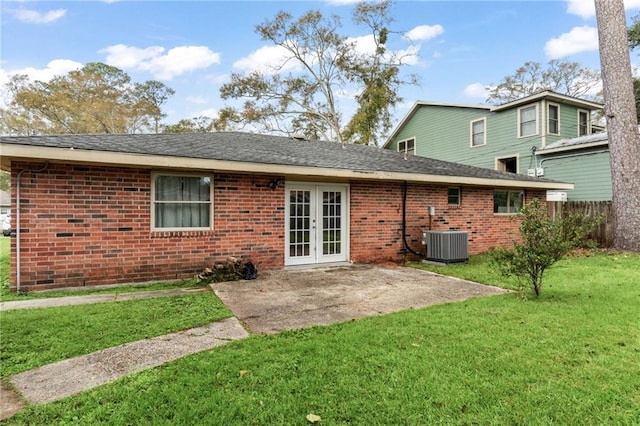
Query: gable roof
x,y
545,94
255,153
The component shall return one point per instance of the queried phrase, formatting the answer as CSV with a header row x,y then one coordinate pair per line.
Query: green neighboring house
x,y
584,161
545,134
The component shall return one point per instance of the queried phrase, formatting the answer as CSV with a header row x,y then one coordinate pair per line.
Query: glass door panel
x,y
316,223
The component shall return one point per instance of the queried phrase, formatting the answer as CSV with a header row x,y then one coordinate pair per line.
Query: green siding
x,y
443,132
588,170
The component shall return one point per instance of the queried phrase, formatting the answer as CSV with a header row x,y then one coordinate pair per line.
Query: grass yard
x,y
35,337
570,357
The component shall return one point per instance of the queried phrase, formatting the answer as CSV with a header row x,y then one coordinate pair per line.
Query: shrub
x,y
544,242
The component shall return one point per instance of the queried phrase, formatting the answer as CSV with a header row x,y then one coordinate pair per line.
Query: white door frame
x,y
313,222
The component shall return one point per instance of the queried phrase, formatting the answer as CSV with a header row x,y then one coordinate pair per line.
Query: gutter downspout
x,y
20,173
404,221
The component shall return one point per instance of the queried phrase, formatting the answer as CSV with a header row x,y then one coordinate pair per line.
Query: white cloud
x,y
583,8
161,65
365,44
586,8
35,17
424,32
209,112
476,91
409,56
273,59
267,60
53,68
579,39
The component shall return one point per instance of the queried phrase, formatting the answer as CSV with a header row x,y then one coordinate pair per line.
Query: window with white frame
x,y
182,202
408,146
454,196
478,132
553,114
528,121
508,202
583,123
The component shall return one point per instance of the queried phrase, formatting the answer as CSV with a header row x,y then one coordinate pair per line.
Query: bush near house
x,y
544,242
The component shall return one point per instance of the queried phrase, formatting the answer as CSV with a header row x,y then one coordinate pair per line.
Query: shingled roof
x,y
248,152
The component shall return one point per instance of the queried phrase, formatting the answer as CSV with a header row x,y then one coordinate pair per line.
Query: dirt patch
x,y
292,299
10,402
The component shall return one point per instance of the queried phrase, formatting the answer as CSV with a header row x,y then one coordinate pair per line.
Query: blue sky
x,y
459,47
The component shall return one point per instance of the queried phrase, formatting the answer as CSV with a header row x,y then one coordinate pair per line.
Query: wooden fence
x,y
603,234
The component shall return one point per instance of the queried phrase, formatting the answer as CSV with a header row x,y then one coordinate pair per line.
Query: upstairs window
x,y
528,121
408,146
181,202
507,164
478,132
508,202
583,123
554,119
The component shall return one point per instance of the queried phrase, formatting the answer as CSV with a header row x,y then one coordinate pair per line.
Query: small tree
x,y
544,242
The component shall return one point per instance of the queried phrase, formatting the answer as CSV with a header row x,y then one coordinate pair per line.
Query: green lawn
x,y
35,337
570,357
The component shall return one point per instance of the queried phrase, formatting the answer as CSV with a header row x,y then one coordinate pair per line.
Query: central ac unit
x,y
446,246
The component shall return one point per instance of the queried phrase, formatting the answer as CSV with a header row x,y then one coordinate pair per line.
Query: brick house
x,y
107,209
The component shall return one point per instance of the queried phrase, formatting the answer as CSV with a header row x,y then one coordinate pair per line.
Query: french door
x,y
317,223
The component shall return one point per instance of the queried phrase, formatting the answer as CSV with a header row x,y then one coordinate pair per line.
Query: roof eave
x,y
550,95
572,147
78,156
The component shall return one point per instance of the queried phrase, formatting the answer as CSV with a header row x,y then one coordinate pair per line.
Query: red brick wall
x,y
376,219
88,225
83,226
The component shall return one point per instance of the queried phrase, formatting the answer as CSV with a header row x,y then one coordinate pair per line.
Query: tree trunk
x,y
622,123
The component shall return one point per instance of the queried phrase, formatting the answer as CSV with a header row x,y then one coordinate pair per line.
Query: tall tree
x,y
151,95
622,122
378,76
301,94
567,78
97,98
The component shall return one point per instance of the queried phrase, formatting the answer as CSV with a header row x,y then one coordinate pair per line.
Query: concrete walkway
x,y
65,378
69,377
54,302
